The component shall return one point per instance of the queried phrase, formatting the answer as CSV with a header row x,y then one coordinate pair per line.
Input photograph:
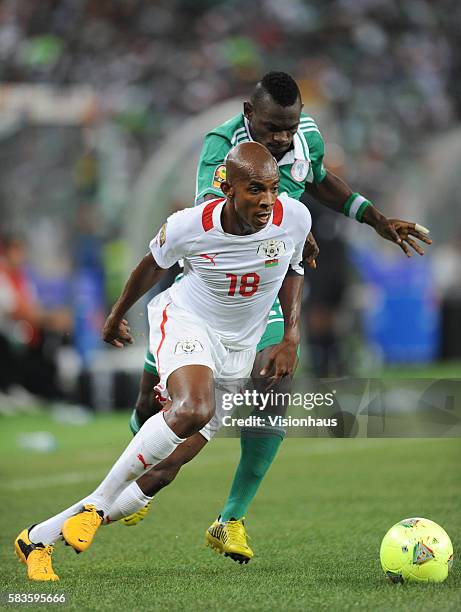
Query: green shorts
x,y
272,335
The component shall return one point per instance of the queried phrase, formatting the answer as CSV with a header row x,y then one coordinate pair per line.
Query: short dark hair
x,y
280,86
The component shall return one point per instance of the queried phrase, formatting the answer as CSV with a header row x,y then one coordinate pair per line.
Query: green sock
x,y
134,423
258,450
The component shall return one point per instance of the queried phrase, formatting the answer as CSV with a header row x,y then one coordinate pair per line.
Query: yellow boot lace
x,y
40,560
237,533
90,520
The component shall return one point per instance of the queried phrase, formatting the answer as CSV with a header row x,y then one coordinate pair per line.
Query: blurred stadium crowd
x,y
388,67
385,70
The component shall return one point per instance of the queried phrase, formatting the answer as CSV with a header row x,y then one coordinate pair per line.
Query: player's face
x,y
272,125
255,197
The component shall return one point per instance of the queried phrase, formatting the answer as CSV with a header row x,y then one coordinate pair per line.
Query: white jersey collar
x,y
217,222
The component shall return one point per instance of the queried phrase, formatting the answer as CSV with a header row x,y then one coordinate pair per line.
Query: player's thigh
x,y
146,404
191,382
235,370
261,360
147,382
191,389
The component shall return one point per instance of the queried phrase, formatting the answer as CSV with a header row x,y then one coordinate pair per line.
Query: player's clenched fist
x,y
116,332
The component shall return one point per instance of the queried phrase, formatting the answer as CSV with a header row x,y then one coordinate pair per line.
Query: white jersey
x,y
232,281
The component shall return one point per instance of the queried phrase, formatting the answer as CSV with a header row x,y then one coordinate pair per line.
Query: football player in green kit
x,y
273,117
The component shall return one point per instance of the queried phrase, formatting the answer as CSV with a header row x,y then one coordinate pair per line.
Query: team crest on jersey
x,y
271,249
300,170
186,347
161,236
219,176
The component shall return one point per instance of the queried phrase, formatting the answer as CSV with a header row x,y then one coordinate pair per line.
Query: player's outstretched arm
x,y
283,357
146,274
337,195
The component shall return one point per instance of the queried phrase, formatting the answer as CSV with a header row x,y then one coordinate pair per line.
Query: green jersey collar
x,y
300,149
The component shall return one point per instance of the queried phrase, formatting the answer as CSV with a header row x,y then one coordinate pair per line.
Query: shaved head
x,y
250,160
251,188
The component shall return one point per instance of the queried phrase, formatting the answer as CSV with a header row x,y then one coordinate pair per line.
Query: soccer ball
x,y
416,550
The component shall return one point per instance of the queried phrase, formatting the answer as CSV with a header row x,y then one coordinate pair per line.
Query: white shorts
x,y
178,338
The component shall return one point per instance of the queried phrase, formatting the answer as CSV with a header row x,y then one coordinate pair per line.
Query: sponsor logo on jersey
x,y
271,249
219,176
161,236
210,257
300,170
186,347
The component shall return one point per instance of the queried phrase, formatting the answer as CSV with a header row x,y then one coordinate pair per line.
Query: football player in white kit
x,y
239,253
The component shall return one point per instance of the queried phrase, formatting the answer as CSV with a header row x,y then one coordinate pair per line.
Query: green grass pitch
x,y
316,524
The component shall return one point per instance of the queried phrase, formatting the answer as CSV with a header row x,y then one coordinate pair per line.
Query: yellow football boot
x,y
37,557
136,517
79,530
230,538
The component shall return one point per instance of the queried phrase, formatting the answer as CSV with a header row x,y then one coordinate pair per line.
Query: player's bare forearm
x,y
331,192
144,276
334,193
283,357
290,296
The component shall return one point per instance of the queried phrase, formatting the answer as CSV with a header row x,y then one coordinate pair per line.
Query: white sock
x,y
154,442
49,531
128,502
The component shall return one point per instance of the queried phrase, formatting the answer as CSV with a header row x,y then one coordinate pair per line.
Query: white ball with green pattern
x,y
416,550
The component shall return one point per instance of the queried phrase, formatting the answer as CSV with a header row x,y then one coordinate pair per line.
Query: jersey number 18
x,y
248,284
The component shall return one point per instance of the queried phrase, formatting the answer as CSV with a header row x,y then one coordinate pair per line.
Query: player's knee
x,y
195,411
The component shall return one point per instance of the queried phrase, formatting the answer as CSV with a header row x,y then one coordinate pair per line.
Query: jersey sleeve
x,y
171,242
302,224
211,170
316,145
317,152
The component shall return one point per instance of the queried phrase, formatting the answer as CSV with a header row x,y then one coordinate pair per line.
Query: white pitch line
x,y
327,447
53,480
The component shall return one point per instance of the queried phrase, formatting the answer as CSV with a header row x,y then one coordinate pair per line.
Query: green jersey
x,y
302,164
